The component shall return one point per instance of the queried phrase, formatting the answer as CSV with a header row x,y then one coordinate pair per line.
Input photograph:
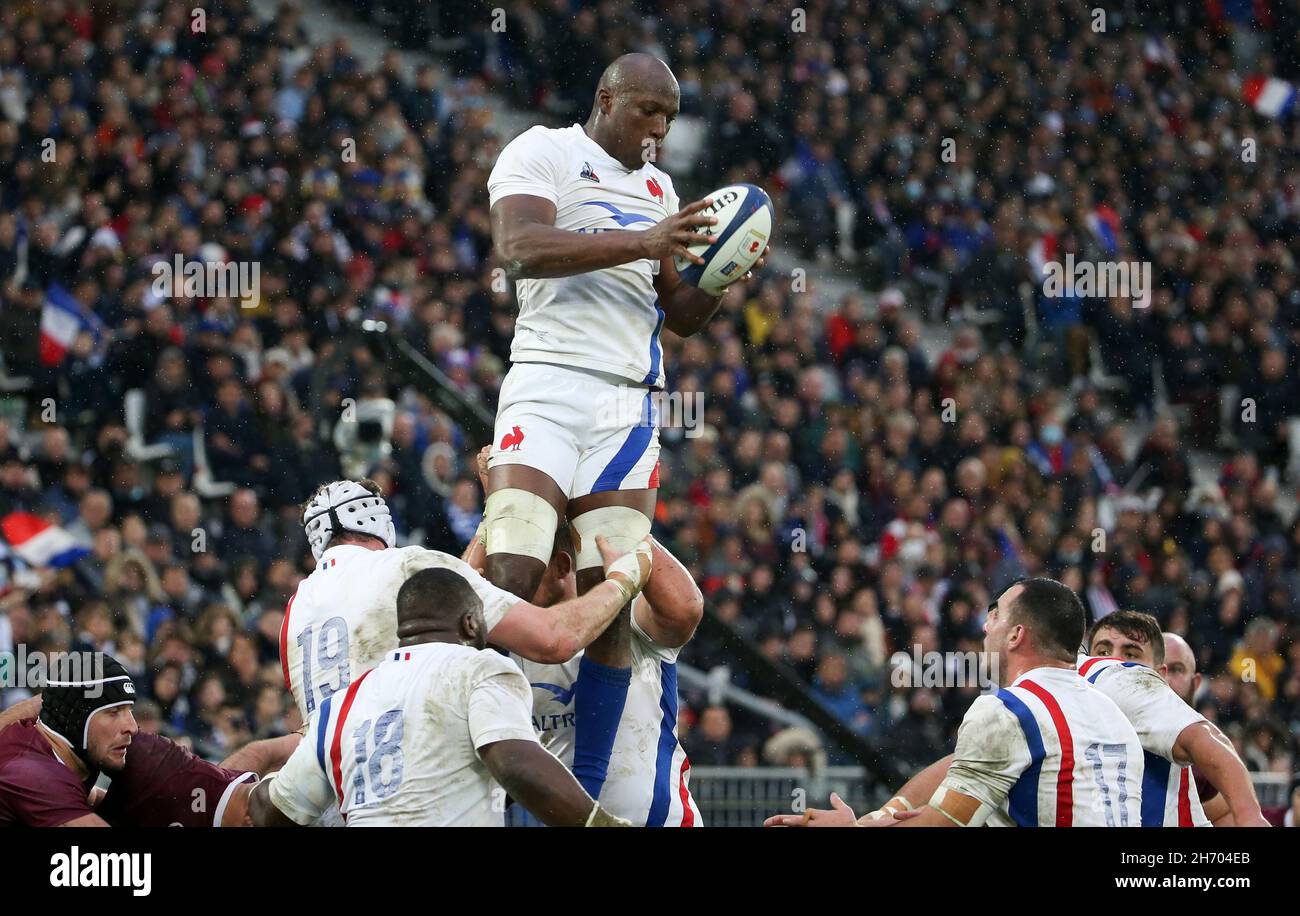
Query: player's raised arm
x,y
27,709
1204,746
476,551
669,610
553,635
533,777
671,605
262,757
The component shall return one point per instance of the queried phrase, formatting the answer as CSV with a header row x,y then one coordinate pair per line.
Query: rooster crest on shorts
x,y
512,440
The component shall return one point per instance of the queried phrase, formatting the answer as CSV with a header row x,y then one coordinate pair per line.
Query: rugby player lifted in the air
x,y
588,226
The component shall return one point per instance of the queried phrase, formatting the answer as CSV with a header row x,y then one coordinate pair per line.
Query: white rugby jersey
x,y
648,781
1169,797
607,320
343,617
399,747
1049,750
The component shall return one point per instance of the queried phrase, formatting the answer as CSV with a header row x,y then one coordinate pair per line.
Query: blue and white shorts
x,y
588,431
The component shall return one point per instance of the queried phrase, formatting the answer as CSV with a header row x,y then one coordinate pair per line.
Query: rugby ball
x,y
744,214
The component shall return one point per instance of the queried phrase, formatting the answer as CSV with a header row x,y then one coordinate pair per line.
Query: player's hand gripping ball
x,y
743,228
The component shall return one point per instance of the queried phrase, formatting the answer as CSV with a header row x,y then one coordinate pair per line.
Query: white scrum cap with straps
x,y
345,505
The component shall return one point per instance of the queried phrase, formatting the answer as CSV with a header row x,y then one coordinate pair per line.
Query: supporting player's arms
x,y
671,605
1203,745
476,552
262,757
27,709
532,776
553,635
526,239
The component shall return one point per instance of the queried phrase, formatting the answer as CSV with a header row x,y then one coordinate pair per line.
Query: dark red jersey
x,y
37,789
1277,816
164,785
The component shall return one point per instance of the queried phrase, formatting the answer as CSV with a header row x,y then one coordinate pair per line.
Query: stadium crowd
x,y
846,497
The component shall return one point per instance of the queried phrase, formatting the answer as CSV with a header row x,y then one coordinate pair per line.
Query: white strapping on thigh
x,y
520,522
622,526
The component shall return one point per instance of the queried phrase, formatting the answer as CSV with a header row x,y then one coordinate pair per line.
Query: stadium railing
x,y
716,685
1271,788
745,796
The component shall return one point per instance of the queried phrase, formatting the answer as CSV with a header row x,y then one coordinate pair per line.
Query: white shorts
x,y
588,431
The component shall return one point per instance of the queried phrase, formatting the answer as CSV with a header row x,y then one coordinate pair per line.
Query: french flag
x,y
1269,96
61,321
1104,223
38,543
1041,253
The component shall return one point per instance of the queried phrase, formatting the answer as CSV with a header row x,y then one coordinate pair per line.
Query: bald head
x,y
636,101
637,71
439,605
1180,661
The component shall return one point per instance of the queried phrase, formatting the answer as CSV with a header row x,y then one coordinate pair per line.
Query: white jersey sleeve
x,y
1156,712
496,601
530,164
500,702
301,790
991,753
